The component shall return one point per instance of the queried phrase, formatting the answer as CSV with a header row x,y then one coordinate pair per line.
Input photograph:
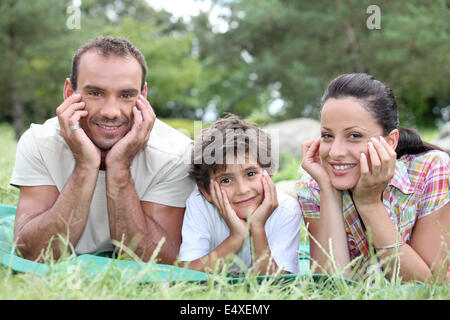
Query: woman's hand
x,y
374,179
311,163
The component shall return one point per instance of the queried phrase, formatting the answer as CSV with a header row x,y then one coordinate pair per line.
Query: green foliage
x,y
45,47
186,126
289,169
297,47
273,50
8,194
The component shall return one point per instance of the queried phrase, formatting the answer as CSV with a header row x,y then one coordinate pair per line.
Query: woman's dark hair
x,y
379,100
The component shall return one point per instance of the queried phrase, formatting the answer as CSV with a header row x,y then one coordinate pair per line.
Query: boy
x,y
229,164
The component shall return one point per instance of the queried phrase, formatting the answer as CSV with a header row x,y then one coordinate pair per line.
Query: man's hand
x,y
123,152
69,114
267,206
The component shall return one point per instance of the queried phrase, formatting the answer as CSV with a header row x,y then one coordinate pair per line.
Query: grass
x,y
115,284
8,195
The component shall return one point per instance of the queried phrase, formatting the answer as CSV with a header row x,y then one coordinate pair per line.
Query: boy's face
x,y
242,185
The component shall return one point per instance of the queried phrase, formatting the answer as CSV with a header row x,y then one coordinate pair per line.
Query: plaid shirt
x,y
419,187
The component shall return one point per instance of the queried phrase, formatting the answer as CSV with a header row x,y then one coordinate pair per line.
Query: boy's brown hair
x,y
231,135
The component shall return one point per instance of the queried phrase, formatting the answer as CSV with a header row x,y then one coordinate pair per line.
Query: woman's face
x,y
346,129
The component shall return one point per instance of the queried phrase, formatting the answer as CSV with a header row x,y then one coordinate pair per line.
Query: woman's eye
x,y
355,135
325,136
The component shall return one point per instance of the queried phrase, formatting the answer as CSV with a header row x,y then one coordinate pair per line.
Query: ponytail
x,y
409,142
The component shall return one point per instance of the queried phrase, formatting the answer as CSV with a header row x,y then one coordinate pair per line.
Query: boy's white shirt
x,y
204,229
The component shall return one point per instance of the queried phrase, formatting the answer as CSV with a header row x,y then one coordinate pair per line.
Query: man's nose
x,y
110,108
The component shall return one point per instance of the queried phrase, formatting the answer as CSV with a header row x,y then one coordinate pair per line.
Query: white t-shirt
x,y
159,172
204,229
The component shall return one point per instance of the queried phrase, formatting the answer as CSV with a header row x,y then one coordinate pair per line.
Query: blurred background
x,y
268,61
265,60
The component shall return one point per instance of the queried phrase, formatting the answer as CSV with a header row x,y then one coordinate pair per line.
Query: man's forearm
x,y
128,222
66,218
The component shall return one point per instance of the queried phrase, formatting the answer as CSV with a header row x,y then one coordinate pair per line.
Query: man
x,y
104,173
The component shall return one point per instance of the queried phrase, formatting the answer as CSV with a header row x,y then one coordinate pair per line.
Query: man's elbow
x,y
30,250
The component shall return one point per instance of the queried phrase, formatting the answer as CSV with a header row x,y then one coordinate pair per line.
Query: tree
x,y
174,73
36,48
20,44
297,47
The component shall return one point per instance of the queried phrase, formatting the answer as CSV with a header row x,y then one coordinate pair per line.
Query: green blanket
x,y
145,272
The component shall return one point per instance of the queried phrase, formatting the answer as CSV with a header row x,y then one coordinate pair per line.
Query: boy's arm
x,y
228,247
264,262
216,258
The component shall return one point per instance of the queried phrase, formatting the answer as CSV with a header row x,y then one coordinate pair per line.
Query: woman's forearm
x,y
330,233
384,233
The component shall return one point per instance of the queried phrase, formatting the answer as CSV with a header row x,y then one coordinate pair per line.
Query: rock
x,y
291,134
287,186
443,139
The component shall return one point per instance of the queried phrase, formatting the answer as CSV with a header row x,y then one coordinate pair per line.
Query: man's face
x,y
110,87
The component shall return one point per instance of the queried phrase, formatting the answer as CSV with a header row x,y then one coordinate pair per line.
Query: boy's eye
x,y
251,173
225,180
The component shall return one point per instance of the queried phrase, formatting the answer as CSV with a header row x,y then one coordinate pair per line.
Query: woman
x,y
373,183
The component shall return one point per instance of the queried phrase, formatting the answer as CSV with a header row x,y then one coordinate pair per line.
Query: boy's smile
x,y
242,185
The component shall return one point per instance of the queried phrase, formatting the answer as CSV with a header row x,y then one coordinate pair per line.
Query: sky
x,y
188,8
181,8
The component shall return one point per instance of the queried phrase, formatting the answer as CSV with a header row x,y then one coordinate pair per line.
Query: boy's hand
x,y
267,206
238,227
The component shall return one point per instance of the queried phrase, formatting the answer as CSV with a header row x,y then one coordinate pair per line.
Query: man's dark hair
x,y
108,46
